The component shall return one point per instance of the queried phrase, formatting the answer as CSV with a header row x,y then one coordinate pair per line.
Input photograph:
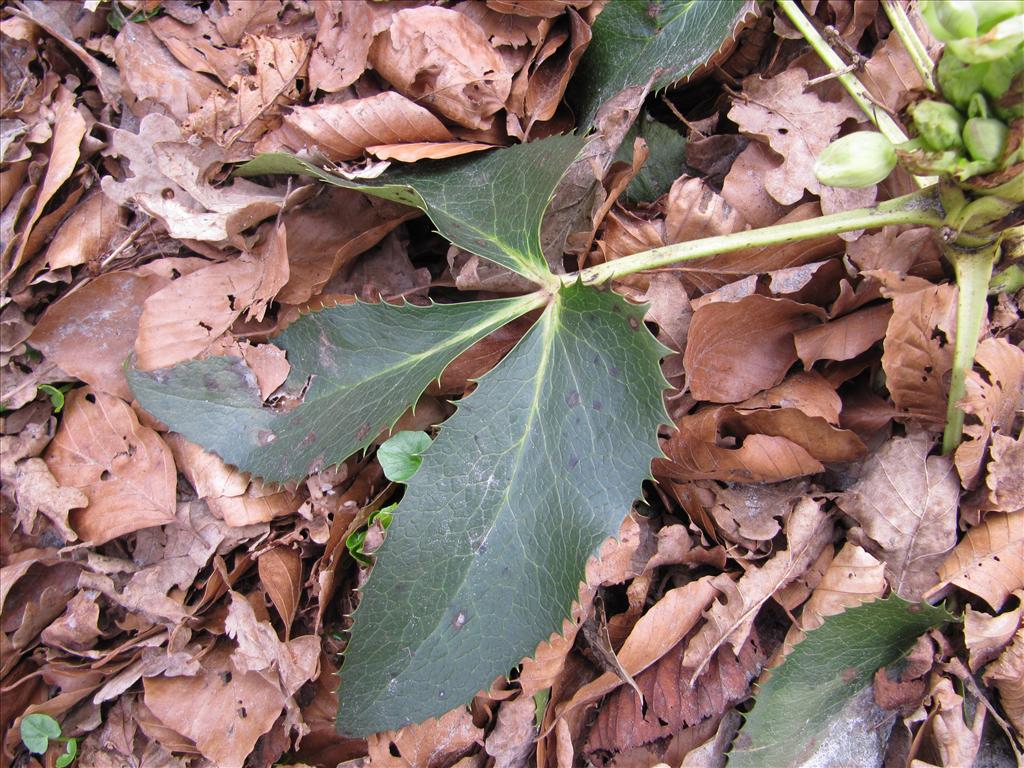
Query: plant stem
x,y
918,208
908,36
973,271
854,87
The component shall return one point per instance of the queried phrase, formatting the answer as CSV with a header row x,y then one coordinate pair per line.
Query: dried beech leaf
x,y
986,636
989,561
906,503
433,744
1004,480
808,530
123,467
842,339
1007,675
280,572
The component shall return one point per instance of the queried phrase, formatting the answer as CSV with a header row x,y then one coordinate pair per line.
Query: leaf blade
x,y
490,204
365,364
634,38
514,495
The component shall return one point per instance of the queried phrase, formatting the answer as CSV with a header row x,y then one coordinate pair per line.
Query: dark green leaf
x,y
36,731
664,164
822,673
364,365
533,472
635,38
490,204
401,455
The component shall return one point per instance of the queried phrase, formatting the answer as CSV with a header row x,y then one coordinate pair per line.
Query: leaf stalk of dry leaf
x,y
917,208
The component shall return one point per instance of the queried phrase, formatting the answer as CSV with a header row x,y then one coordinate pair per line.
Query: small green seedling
x,y
56,395
401,455
38,730
354,543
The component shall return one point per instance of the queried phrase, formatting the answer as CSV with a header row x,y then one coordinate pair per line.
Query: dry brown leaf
x,y
842,339
415,151
123,467
744,187
730,619
1004,481
956,741
343,131
796,123
169,179
343,39
223,710
991,404
86,233
151,76
544,8
906,504
986,635
77,628
440,58
671,703
989,561
434,744
654,635
551,69
736,349
918,349
268,364
511,741
185,318
908,252
852,578
1007,675
280,570
890,74
91,332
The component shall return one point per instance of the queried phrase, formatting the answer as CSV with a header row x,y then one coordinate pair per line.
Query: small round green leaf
x,y
69,755
401,455
37,730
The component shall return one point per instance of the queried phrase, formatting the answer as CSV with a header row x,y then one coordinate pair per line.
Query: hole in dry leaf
x,y
104,475
394,750
167,193
91,398
939,335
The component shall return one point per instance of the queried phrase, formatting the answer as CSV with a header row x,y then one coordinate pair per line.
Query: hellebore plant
x,y
537,467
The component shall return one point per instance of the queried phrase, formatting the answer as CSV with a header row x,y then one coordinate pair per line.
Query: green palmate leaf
x,y
355,367
822,673
486,552
490,204
635,38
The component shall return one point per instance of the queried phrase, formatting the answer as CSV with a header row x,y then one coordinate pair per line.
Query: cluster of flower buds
x,y
976,128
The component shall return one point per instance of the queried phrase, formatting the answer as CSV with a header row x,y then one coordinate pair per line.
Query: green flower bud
x,y
857,160
939,124
985,138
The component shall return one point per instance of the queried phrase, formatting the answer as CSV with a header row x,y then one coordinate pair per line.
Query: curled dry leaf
x,y
852,578
86,233
986,635
808,530
280,570
989,561
427,150
956,742
343,131
906,503
796,123
442,59
185,318
842,339
1007,675
124,468
918,348
223,710
511,741
90,333
993,400
738,348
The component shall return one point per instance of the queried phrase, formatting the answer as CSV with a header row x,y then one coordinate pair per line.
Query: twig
x,y
908,36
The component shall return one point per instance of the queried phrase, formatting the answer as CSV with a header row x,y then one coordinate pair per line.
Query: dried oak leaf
x,y
918,347
991,404
1004,480
1007,675
90,332
989,561
986,635
440,58
223,709
796,123
343,131
808,531
906,504
437,743
737,348
124,468
169,180
187,317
